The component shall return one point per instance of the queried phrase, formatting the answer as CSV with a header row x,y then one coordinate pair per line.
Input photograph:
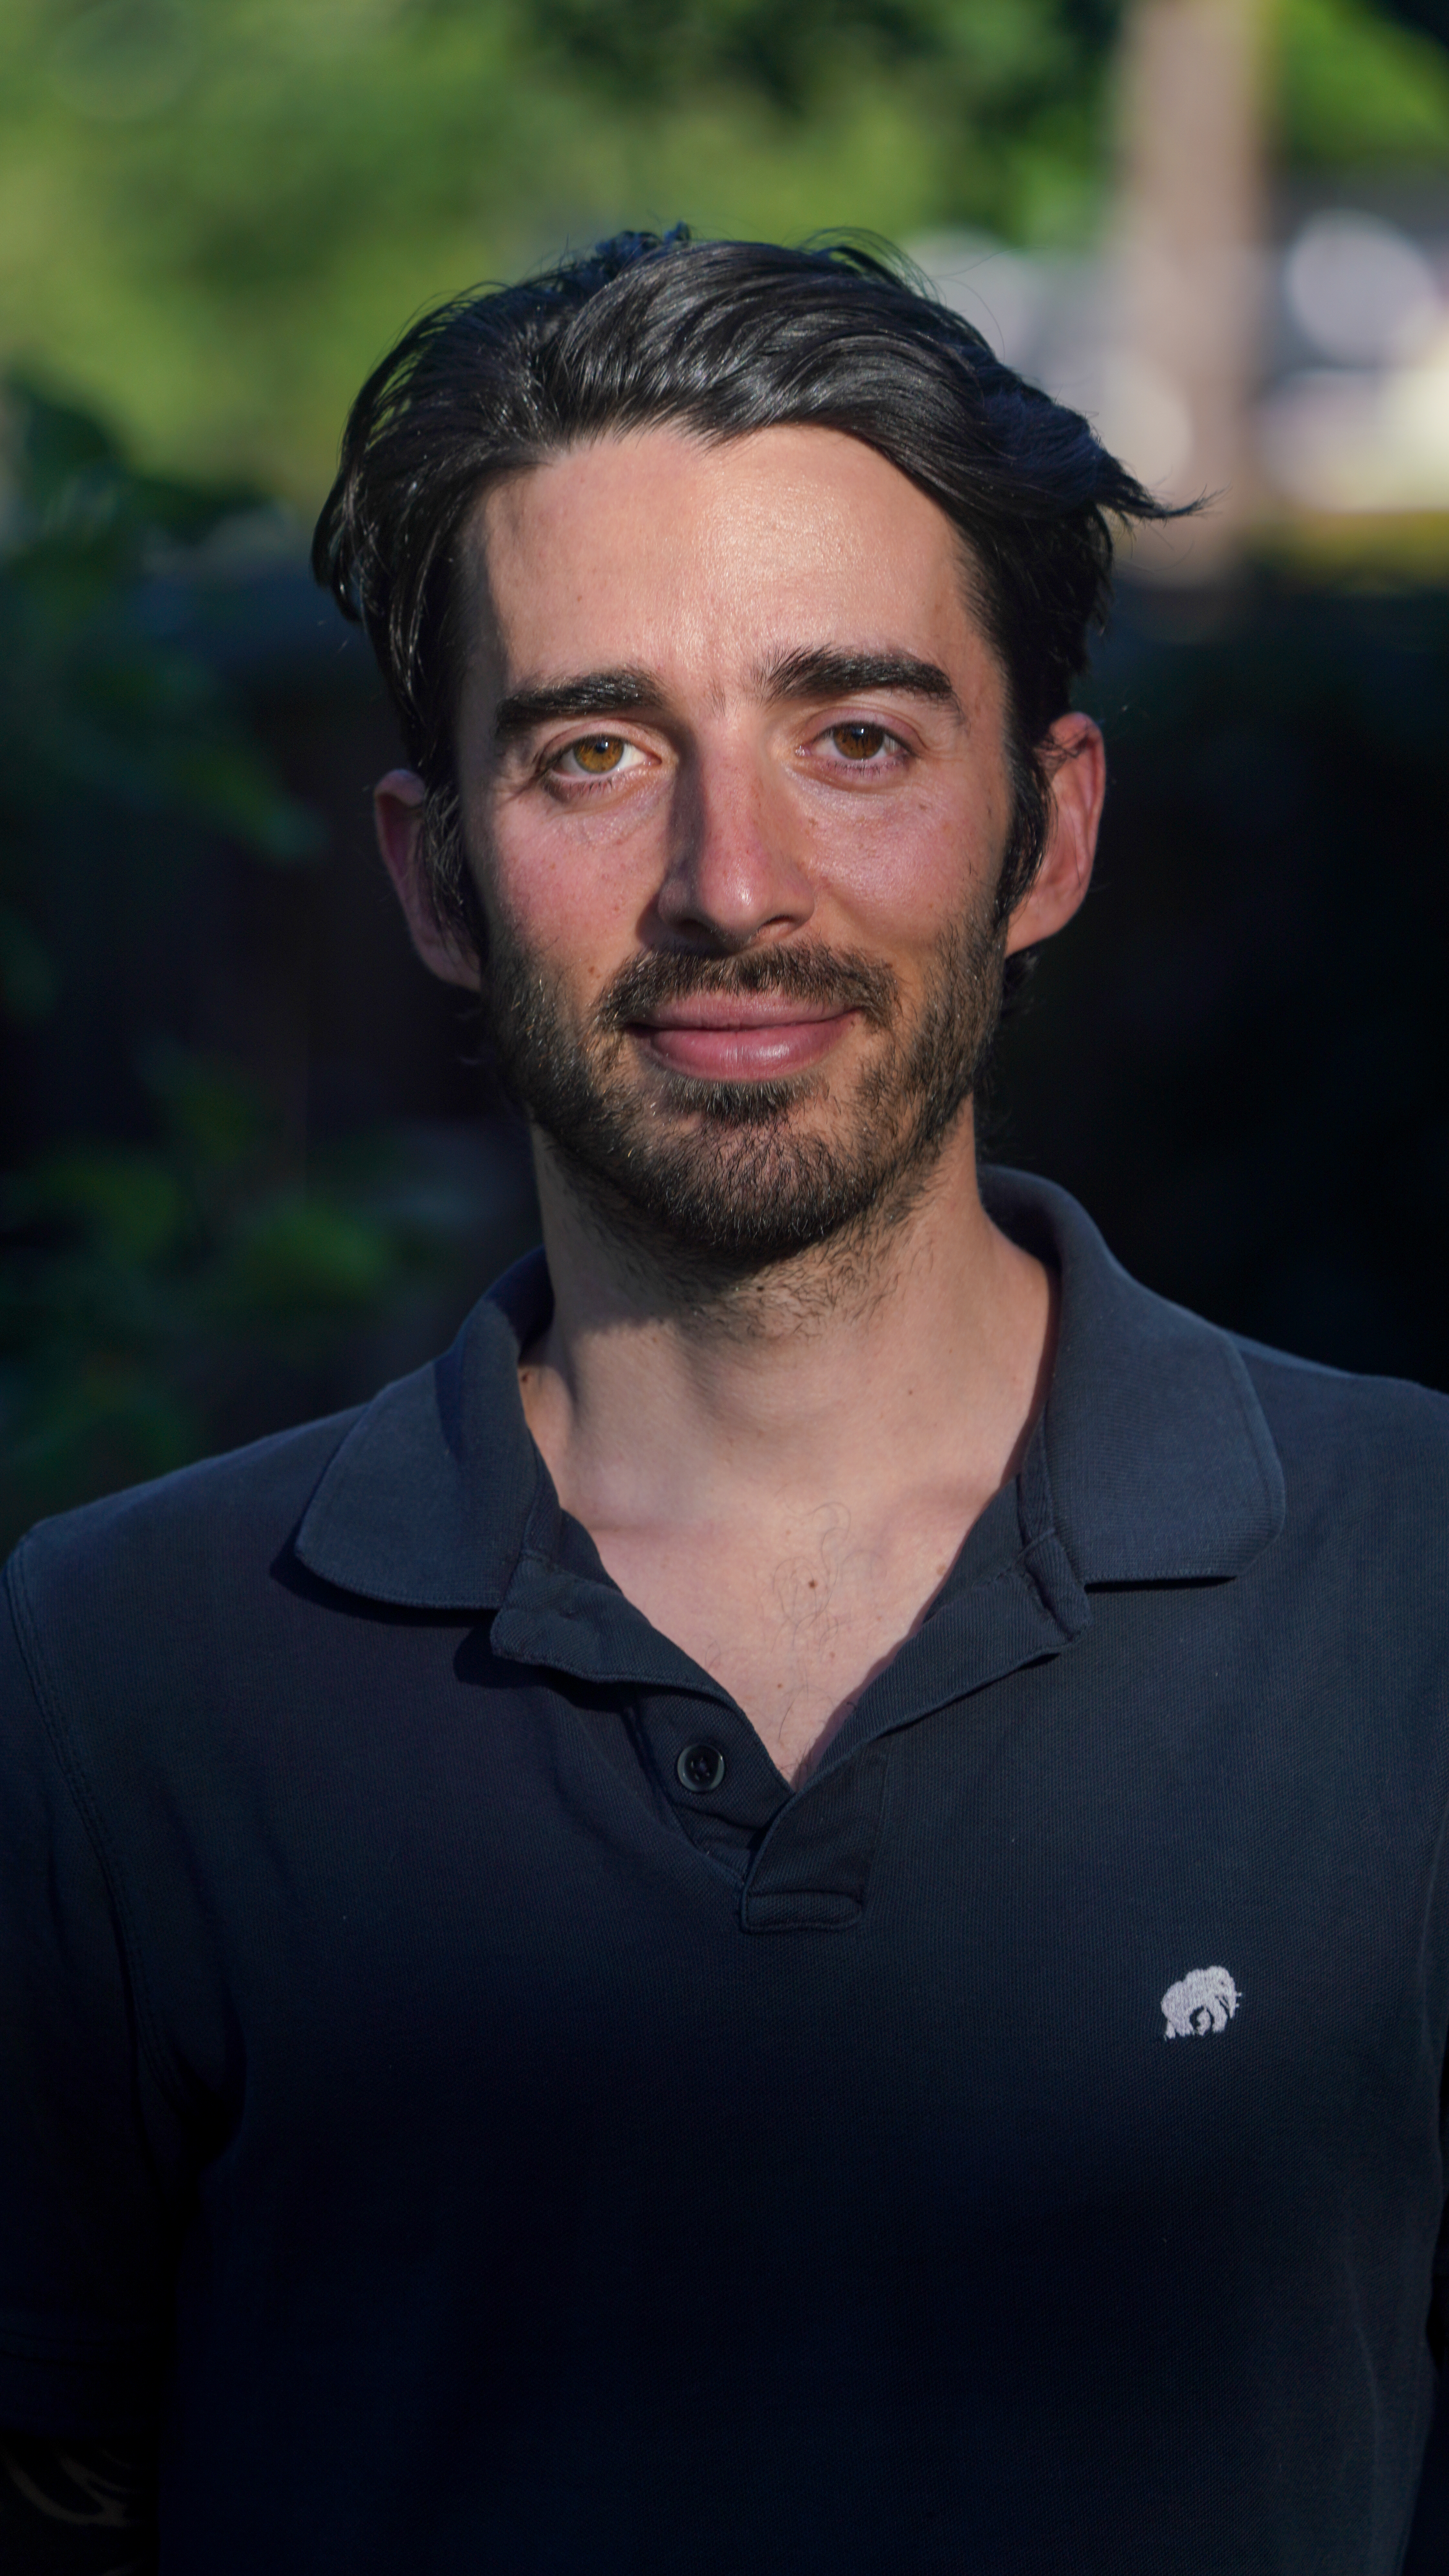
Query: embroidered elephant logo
x,y
1205,1999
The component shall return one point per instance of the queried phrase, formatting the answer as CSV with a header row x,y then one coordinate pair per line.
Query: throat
x,y
783,1493
794,1621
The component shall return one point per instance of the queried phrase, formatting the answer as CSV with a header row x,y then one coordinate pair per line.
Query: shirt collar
x,y
1160,1466
1161,1463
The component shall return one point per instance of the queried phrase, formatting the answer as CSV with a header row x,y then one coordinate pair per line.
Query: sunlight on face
x,y
731,758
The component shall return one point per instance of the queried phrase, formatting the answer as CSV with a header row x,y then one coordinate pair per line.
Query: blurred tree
x,y
1430,14
104,724
163,1246
214,213
1358,88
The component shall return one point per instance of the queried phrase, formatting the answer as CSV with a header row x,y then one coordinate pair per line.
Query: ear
x,y
1078,766
397,807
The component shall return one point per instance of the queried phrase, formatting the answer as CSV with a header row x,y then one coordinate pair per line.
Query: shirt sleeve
x,y
85,2295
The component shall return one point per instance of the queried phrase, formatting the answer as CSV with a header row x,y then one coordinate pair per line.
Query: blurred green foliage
x,y
139,1284
1357,90
142,1278
214,214
146,1290
100,718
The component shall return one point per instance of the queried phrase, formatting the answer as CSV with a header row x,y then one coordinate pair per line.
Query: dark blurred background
x,y
250,1165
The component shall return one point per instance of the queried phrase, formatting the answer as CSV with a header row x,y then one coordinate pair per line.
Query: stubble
x,y
709,1185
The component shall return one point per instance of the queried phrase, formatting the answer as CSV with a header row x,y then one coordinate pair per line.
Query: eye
x,y
596,755
861,743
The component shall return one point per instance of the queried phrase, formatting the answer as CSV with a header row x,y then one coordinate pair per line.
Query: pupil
x,y
601,751
860,742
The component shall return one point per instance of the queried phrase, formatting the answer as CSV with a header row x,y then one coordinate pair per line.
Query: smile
x,y
740,1038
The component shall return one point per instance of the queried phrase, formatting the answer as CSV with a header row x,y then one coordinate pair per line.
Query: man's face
x,y
731,758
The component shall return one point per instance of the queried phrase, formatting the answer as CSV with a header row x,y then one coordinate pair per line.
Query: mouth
x,y
740,1037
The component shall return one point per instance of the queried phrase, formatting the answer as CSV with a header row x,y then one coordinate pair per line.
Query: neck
x,y
657,1393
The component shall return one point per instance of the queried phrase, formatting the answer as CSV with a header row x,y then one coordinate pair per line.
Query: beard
x,y
716,1181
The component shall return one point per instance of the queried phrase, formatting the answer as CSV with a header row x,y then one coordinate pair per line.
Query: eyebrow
x,y
593,693
813,673
826,674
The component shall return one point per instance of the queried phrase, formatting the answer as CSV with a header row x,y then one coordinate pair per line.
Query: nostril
x,y
731,909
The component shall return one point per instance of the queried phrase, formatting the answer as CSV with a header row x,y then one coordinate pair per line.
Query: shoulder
x,y
415,1500
207,1525
1384,1417
1373,1450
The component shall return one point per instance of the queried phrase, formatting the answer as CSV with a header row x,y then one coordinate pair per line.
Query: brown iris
x,y
859,741
599,752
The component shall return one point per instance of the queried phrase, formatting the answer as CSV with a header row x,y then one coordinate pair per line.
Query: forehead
x,y
659,549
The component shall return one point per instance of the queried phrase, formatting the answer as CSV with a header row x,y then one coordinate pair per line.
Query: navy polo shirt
x,y
456,2091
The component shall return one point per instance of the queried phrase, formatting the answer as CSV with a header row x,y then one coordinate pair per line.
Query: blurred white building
x,y
1348,411
1291,362
1353,412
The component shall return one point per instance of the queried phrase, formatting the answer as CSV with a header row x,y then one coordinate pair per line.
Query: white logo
x,y
1205,1999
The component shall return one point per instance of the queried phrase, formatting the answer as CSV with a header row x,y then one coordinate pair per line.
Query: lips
x,y
753,1018
727,1037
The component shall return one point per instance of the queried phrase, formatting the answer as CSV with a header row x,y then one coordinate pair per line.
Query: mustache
x,y
839,979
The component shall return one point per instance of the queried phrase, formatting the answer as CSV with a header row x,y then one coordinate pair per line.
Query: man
x,y
788,1915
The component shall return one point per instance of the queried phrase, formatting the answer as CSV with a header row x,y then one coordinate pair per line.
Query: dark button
x,y
701,1766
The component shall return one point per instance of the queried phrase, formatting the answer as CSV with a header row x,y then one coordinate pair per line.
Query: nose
x,y
735,874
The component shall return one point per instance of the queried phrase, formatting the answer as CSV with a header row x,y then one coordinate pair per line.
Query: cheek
x,y
912,866
567,898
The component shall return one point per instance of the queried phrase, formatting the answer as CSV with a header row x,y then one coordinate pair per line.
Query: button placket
x,y
813,1869
720,1783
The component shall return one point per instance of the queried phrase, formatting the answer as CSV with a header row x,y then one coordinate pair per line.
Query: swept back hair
x,y
718,338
